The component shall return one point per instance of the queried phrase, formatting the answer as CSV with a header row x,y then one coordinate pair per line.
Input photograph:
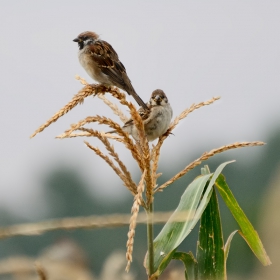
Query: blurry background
x,y
191,50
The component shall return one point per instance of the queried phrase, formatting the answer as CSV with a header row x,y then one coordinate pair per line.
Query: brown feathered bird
x,y
102,63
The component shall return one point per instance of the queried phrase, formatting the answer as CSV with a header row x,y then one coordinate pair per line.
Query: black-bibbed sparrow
x,y
156,120
102,63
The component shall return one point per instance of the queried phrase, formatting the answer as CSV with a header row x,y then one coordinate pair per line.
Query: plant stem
x,y
150,235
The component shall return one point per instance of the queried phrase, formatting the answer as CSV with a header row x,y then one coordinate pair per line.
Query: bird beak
x,y
77,40
157,98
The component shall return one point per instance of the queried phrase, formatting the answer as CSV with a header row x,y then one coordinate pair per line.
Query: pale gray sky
x,y
193,50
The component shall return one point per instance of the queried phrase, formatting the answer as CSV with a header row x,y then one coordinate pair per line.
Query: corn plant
x,y
198,202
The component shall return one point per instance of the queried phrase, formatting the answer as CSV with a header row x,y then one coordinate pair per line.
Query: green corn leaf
x,y
174,232
227,245
210,253
192,204
247,230
190,264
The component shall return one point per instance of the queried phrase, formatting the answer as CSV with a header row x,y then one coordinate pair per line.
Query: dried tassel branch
x,y
144,146
77,99
114,167
145,151
133,219
103,120
120,96
82,80
88,120
100,120
155,153
73,135
86,91
191,109
206,156
140,127
114,108
112,152
87,133
113,137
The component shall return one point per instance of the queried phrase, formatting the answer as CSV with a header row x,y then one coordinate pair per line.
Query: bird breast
x,y
92,67
158,122
156,125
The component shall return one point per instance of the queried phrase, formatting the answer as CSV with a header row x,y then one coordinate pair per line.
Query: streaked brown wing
x,y
109,62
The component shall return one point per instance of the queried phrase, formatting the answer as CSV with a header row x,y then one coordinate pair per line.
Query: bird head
x,y
86,38
158,97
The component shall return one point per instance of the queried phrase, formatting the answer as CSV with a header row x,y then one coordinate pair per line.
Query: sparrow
x,y
156,120
102,64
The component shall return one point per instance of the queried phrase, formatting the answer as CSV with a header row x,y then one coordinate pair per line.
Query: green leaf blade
x,y
193,202
228,243
247,230
210,253
174,232
190,264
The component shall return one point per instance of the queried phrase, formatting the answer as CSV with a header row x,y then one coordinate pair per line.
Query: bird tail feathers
x,y
138,99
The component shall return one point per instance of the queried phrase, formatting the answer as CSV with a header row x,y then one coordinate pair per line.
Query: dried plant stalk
x,y
74,135
103,120
93,222
86,133
114,108
114,167
100,120
77,99
183,115
102,89
132,225
155,153
142,145
191,109
145,151
86,91
112,152
82,80
206,156
114,137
